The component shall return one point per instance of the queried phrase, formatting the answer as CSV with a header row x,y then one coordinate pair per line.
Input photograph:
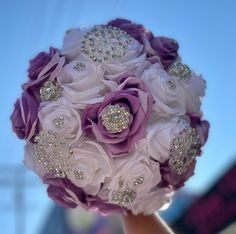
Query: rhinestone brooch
x,y
179,70
50,91
184,150
59,121
115,118
79,66
138,181
105,43
123,197
53,153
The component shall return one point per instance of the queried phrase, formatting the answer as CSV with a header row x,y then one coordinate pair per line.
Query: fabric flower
x,y
134,30
158,198
49,72
65,193
162,48
133,58
39,62
137,172
25,116
160,135
61,117
93,164
167,93
134,96
202,127
82,85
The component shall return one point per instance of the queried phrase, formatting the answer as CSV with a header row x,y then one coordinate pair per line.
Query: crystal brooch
x,y
184,149
50,91
115,118
179,70
123,197
105,43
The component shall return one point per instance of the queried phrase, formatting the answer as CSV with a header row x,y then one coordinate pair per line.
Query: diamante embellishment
x,y
171,84
115,118
181,71
53,153
79,66
184,150
105,43
123,197
139,181
50,91
79,175
58,121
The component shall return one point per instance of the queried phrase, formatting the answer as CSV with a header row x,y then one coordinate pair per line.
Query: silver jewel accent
x,y
79,175
123,197
79,66
171,84
138,181
115,118
50,91
58,121
184,149
53,153
105,43
179,70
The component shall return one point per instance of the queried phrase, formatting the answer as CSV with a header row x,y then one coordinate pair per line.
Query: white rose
x,y
30,160
61,117
168,94
157,199
72,43
92,165
82,87
137,172
131,62
160,134
194,88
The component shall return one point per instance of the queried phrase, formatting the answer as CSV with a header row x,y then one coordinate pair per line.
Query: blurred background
x,y
206,33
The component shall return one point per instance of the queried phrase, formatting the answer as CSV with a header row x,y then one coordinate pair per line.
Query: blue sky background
x,y
205,31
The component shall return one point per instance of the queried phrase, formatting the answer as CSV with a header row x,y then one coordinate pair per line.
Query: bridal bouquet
x,y
112,120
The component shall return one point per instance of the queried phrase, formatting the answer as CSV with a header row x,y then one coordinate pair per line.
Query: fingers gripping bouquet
x,y
112,121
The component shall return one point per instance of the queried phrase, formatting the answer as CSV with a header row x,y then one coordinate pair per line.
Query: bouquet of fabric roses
x,y
112,121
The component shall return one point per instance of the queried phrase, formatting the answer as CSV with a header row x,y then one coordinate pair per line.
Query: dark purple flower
x,y
25,116
135,97
49,72
59,190
165,48
173,179
202,127
134,30
39,62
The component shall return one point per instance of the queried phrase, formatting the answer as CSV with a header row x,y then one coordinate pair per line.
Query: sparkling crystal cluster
x,y
123,197
53,153
184,150
50,91
139,181
115,118
59,121
105,43
181,71
79,66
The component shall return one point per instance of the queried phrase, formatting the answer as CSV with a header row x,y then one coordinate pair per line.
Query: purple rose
x,y
59,190
25,116
173,179
39,62
135,98
202,127
166,49
134,30
49,72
